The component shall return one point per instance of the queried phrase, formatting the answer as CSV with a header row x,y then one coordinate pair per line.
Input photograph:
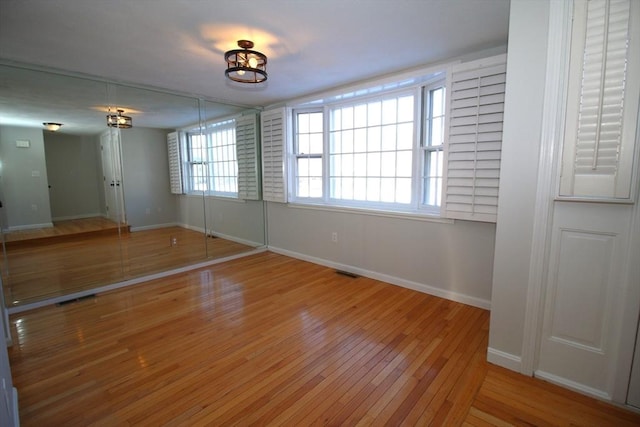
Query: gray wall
x,y
147,197
238,220
449,259
24,179
75,176
526,68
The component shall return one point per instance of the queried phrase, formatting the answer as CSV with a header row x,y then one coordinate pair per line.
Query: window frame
x,y
210,166
416,205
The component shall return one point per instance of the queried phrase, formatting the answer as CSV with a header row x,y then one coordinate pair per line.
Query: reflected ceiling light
x,y
119,120
50,126
246,65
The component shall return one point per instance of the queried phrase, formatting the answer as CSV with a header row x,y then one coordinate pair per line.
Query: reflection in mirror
x,y
106,207
51,186
234,210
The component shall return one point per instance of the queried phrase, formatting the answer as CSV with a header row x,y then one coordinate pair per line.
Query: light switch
x,y
23,143
35,174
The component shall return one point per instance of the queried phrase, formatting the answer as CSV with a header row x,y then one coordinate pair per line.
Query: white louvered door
x,y
247,154
597,159
273,136
474,139
175,163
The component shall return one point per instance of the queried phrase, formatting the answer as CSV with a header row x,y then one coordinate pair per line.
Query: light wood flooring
x,y
83,255
270,340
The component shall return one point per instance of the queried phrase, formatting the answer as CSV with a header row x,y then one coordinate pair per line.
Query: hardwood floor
x,y
270,340
87,257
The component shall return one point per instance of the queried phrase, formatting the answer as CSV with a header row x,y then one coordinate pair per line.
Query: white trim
x,y
154,226
222,235
130,282
15,410
30,226
72,217
420,287
506,360
551,136
372,212
572,385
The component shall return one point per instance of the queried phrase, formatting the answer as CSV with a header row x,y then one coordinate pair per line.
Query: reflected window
x,y
212,165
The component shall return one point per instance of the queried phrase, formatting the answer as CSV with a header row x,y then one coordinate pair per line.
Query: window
x,y
375,152
308,153
432,146
211,164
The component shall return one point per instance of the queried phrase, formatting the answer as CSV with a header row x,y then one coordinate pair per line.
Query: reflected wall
x,y
108,186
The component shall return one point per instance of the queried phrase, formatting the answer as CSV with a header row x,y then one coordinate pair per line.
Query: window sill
x,y
216,197
414,216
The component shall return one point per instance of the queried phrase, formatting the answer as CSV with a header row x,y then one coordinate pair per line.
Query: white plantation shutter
x,y
474,139
175,163
597,159
247,154
273,136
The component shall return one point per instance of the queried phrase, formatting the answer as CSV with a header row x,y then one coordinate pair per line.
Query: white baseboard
x,y
154,226
30,226
580,388
506,360
83,216
420,287
16,414
222,236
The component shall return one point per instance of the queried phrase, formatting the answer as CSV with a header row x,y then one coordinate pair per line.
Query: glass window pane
x,y
360,140
360,116
405,136
373,164
315,167
360,164
373,189
347,118
374,138
315,187
404,163
405,109
374,113
347,141
389,138
360,189
388,164
303,123
303,187
387,190
403,190
315,123
303,144
303,167
315,143
389,111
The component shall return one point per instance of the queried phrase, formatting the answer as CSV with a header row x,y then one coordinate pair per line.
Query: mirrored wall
x,y
88,204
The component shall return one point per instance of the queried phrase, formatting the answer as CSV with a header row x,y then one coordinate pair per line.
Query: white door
x,y
112,170
585,296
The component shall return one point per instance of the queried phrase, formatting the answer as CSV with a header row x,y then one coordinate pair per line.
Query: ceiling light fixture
x,y
246,65
119,120
50,126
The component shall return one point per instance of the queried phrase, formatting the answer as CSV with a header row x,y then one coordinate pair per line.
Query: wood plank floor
x,y
269,340
35,270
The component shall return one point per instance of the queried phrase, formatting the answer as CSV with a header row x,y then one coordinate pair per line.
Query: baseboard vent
x,y
348,274
72,300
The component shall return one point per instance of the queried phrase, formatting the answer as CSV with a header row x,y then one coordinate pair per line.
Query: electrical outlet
x,y
334,237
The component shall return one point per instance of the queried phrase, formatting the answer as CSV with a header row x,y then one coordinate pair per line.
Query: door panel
x,y
585,289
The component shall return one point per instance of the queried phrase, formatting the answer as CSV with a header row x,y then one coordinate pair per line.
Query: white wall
x,y
449,259
24,179
526,67
74,175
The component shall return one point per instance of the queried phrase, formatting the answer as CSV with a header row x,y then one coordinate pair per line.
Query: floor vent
x,y
69,301
348,274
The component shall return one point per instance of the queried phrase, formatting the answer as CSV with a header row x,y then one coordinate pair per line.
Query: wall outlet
x,y
148,211
34,207
334,237
174,240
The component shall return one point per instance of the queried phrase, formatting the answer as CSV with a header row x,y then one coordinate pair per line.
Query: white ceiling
x,y
312,45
